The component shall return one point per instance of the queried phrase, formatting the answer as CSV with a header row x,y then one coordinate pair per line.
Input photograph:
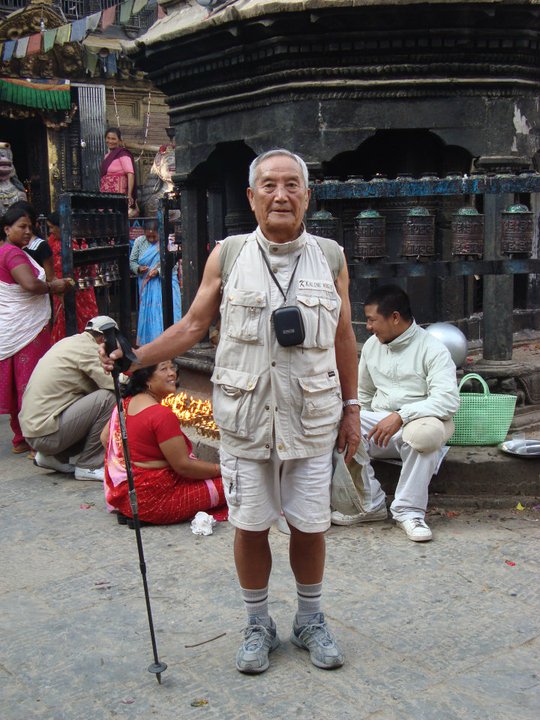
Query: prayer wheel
x,y
517,229
369,235
419,233
324,224
467,232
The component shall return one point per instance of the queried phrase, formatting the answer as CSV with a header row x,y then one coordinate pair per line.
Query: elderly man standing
x,y
66,404
285,387
408,390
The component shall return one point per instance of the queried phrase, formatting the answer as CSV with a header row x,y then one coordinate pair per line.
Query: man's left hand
x,y
349,432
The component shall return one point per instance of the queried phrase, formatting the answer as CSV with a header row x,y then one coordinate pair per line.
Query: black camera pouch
x,y
289,326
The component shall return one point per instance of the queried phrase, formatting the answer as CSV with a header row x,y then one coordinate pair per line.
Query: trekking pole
x,y
111,336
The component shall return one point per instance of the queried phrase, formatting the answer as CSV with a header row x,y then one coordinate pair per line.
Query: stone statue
x,y
11,188
159,179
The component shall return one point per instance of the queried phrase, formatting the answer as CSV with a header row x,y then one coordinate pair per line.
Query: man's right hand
x,y
383,430
125,359
107,361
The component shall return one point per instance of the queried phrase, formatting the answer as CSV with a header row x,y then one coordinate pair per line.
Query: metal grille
x,y
93,122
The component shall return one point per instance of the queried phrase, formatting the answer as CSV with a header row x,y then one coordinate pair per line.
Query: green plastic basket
x,y
482,418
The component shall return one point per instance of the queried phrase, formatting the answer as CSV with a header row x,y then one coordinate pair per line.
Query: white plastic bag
x,y
202,524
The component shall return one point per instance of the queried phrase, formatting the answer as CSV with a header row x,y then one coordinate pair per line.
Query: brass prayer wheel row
x,y
467,232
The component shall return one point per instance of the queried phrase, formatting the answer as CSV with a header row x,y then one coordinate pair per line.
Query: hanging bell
x,y
81,284
99,281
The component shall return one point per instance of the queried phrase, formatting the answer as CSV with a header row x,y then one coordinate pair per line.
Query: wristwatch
x,y
352,401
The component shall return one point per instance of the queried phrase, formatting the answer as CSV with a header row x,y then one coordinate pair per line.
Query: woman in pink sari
x,y
118,168
25,311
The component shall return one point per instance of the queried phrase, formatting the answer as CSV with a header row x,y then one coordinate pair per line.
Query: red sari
x,y
85,300
163,496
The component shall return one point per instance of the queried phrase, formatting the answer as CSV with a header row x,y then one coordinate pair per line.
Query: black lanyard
x,y
274,278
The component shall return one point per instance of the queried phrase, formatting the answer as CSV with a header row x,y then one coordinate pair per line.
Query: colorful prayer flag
x,y
78,30
90,61
9,47
63,34
22,46
112,66
125,12
107,17
93,21
34,44
49,36
138,5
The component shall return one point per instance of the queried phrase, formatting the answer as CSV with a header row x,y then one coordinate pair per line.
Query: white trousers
x,y
411,495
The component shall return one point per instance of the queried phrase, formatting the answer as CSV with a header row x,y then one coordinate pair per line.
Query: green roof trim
x,y
41,95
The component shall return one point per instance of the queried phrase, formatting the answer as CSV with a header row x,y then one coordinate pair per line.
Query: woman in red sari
x,y
118,168
171,484
85,300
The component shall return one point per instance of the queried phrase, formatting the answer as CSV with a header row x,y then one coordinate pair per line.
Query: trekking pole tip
x,y
157,668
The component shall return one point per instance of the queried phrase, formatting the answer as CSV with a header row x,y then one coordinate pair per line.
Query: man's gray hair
x,y
271,153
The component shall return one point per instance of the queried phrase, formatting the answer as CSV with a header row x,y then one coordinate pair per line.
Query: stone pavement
x,y
448,630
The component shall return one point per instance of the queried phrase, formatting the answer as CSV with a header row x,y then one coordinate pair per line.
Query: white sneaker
x,y
379,513
415,529
97,474
49,462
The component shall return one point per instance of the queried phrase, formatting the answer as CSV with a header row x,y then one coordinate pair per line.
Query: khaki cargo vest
x,y
266,394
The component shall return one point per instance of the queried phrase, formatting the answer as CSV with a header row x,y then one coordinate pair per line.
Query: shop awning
x,y
42,94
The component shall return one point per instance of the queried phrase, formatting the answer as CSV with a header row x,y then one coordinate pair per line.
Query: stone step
x,y
475,471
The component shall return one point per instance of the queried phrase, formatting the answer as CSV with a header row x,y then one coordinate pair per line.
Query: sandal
x,y
21,448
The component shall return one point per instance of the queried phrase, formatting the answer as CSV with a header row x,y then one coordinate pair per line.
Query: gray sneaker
x,y
316,637
259,641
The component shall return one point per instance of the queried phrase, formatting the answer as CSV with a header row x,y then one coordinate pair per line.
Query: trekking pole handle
x,y
113,340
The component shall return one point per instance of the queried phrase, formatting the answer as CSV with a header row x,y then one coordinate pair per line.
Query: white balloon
x,y
452,338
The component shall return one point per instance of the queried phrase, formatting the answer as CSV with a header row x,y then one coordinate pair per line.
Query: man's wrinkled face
x,y
280,198
385,329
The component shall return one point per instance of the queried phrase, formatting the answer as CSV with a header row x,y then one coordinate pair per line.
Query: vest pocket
x,y
320,320
322,404
244,313
233,397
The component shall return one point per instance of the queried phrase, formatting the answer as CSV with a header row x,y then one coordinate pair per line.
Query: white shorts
x,y
258,490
